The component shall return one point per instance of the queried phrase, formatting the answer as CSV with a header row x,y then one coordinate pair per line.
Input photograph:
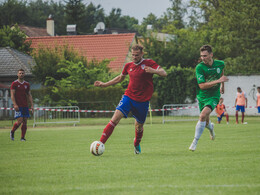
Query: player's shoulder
x,y
219,62
148,62
201,65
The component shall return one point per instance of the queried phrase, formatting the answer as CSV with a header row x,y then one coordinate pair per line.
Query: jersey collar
x,y
139,62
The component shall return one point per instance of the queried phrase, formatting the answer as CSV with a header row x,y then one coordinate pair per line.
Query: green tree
x,y
74,10
14,38
12,12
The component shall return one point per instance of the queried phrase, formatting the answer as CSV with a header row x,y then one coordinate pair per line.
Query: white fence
x,y
65,114
180,112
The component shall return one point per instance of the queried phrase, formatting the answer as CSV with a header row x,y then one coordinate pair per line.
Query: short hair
x,y
258,87
207,48
221,98
21,70
238,88
137,47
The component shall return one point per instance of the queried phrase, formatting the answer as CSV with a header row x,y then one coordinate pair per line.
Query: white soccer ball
x,y
97,148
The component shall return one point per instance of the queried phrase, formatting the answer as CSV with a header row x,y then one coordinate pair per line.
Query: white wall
x,y
248,84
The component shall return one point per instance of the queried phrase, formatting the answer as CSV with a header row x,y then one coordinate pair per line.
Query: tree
x,y
12,12
74,10
14,38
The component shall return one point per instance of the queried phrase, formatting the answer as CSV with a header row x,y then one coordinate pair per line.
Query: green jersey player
x,y
210,79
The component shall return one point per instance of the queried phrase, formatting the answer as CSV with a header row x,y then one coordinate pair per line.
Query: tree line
x,y
230,26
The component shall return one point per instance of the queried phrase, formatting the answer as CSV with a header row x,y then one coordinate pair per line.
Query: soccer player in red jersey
x,y
20,94
137,95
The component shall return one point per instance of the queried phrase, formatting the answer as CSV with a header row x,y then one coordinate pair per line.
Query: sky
x,y
134,8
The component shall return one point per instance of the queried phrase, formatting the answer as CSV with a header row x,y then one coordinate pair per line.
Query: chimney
x,y
50,26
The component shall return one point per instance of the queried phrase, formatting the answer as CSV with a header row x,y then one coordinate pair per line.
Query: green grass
x,y
56,160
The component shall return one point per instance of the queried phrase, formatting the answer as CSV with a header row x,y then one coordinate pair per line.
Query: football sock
x,y
107,132
209,126
227,117
199,129
24,128
237,117
15,127
138,136
243,115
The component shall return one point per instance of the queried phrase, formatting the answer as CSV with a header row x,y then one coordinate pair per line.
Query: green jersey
x,y
206,73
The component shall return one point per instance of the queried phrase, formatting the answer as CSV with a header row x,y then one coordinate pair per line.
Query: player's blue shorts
x,y
138,109
23,112
258,109
220,117
242,108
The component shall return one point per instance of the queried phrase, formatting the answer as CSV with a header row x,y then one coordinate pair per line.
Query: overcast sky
x,y
135,8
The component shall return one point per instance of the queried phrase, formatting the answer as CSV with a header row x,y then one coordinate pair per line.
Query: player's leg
x,y
201,124
139,110
108,130
243,114
15,127
138,137
237,109
227,117
24,129
122,110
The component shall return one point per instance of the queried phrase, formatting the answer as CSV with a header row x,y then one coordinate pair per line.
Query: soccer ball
x,y
97,148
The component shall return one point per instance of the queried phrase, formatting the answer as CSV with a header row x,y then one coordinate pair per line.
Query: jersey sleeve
x,y
153,64
124,71
13,86
245,95
199,75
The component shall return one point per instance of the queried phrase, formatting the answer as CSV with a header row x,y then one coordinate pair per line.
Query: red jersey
x,y
140,87
21,92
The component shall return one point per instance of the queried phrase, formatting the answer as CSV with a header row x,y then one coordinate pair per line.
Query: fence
x,y
64,114
179,112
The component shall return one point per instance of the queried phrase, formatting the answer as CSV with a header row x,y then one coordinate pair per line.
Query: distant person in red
x,y
20,95
221,111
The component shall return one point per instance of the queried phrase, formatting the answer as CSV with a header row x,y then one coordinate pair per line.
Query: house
x,y
30,31
99,47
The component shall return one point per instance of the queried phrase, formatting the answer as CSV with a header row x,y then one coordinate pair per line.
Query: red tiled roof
x,y
107,46
33,31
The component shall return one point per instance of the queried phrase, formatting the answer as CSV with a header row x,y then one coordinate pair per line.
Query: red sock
x,y
24,128
107,132
243,115
15,126
138,136
227,117
237,117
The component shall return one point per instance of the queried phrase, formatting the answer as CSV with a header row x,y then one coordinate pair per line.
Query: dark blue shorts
x,y
138,109
258,109
220,117
23,112
242,108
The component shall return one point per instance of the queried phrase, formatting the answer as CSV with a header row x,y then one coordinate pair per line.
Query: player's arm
x,y
222,85
114,81
13,99
160,71
31,100
246,103
210,84
236,102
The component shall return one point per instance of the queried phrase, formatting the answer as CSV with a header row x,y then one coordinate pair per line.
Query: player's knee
x,y
139,127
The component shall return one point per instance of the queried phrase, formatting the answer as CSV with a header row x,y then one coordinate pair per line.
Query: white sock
x,y
209,126
199,129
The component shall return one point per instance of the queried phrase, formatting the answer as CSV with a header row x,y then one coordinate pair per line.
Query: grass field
x,y
56,160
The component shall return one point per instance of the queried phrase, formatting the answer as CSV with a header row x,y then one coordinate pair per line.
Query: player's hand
x,y
149,69
222,90
99,84
16,107
32,109
223,79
